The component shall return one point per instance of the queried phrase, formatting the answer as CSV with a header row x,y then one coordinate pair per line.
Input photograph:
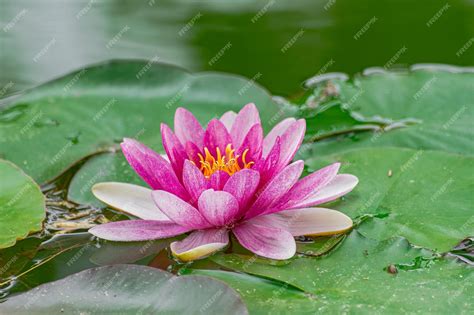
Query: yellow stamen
x,y
229,162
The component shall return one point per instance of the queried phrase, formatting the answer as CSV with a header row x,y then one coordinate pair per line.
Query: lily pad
x,y
100,168
464,251
438,100
355,278
127,289
425,196
22,205
263,296
94,108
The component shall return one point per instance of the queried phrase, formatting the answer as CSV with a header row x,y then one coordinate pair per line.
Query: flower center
x,y
228,162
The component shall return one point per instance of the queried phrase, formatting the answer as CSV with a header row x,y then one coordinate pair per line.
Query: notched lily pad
x,y
353,278
464,251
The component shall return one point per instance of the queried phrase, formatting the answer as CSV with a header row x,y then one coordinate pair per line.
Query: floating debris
x,y
392,269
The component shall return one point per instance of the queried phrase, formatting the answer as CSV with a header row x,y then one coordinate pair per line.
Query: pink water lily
x,y
225,178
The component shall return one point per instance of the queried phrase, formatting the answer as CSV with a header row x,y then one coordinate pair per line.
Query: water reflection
x,y
42,40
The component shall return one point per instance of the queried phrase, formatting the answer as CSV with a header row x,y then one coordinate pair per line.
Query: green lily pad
x,y
440,101
100,168
91,110
263,296
425,196
355,278
22,205
464,251
318,246
128,289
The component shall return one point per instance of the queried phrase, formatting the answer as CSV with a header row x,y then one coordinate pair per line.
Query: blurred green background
x,y
41,40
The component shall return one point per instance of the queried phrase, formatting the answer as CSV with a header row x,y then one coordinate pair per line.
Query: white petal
x,y
338,187
200,244
315,221
132,199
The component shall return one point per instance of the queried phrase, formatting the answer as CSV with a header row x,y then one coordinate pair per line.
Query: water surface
x,y
277,43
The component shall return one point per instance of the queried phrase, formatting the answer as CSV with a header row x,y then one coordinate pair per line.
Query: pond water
x,y
277,43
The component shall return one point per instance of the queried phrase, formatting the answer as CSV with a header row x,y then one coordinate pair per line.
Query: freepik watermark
x,y
394,58
262,11
220,53
329,4
15,20
117,37
85,9
45,49
147,67
465,47
73,81
365,28
249,84
438,15
104,109
177,97
190,24
5,88
424,88
292,41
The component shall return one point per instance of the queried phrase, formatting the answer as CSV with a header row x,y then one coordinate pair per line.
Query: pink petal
x,y
216,136
276,188
137,230
290,142
200,244
194,181
242,185
140,157
339,186
174,149
178,210
253,142
246,119
154,170
228,119
218,207
314,221
277,131
270,242
267,166
218,180
193,153
187,127
308,186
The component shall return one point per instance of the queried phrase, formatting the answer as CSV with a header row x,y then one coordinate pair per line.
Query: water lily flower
x,y
227,178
